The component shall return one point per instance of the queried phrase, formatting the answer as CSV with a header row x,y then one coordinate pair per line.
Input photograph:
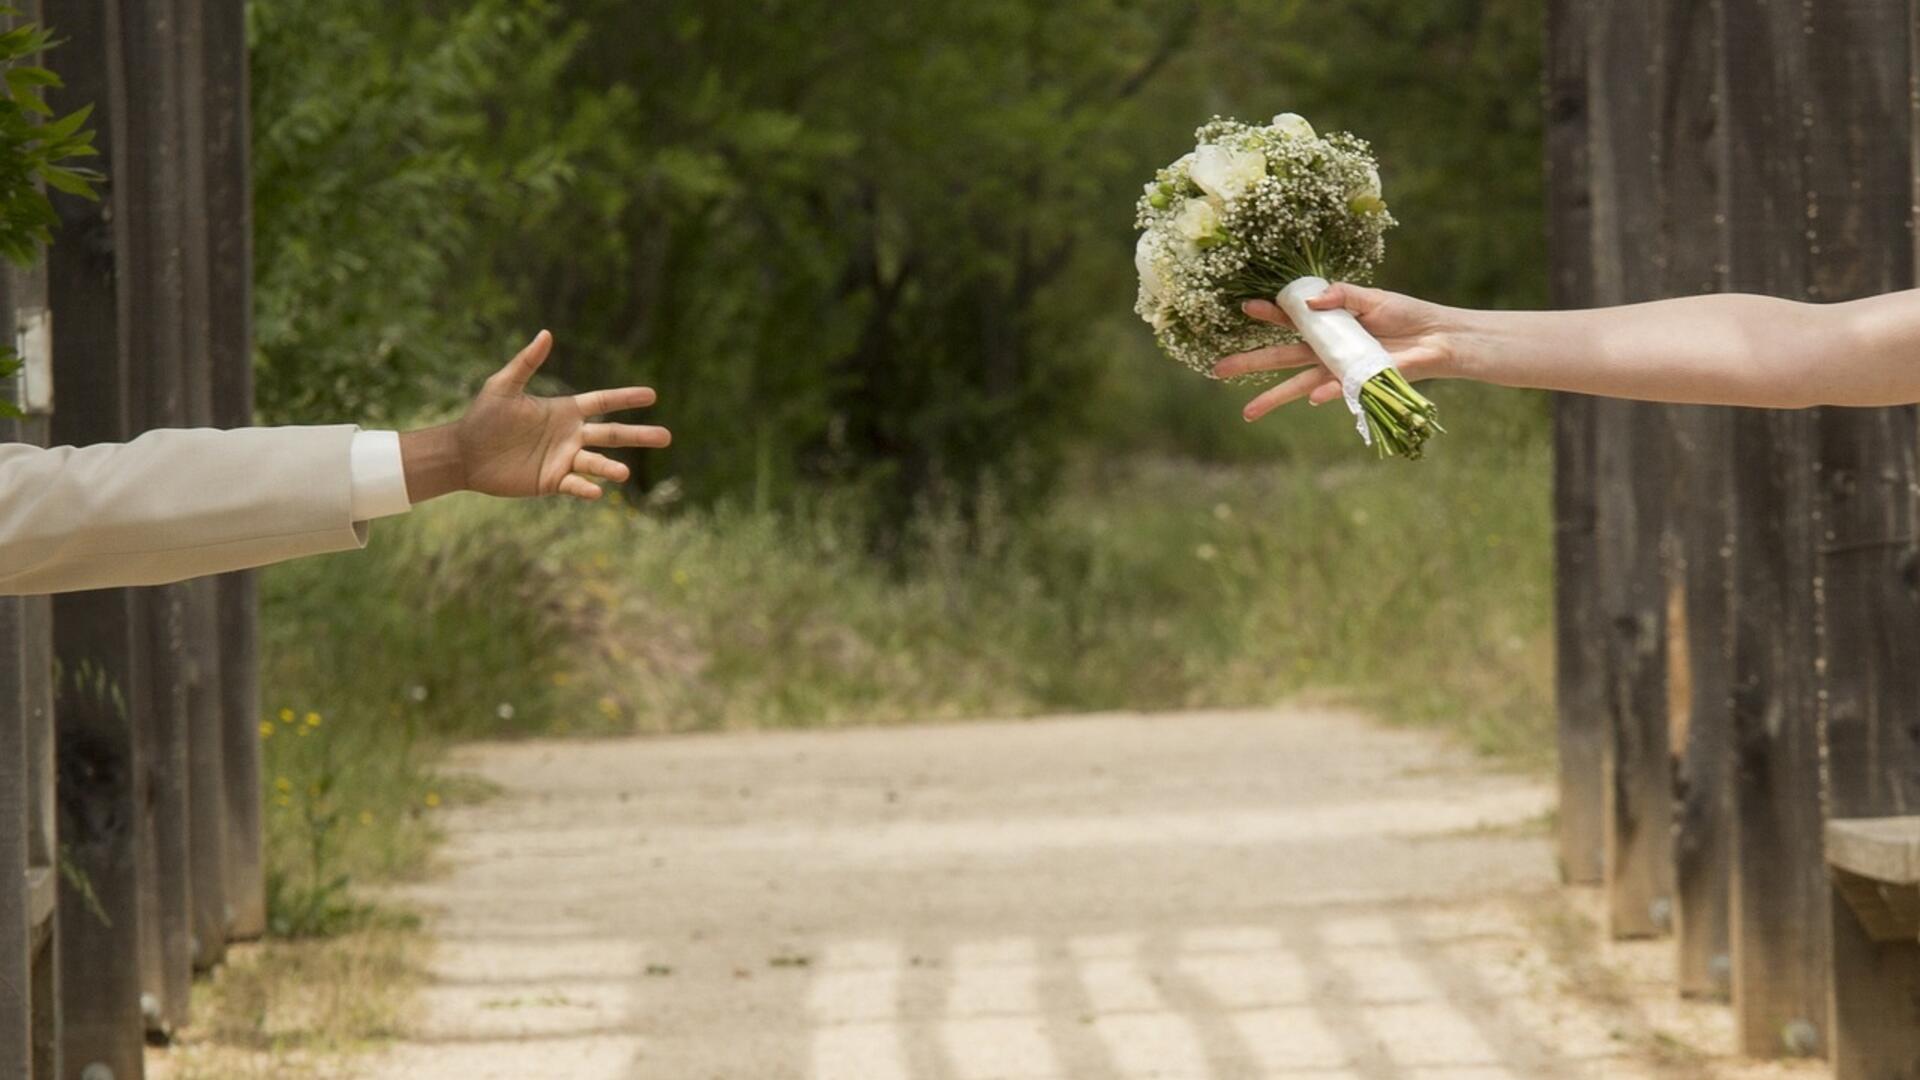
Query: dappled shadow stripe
x,y
1517,1046
926,982
1069,1013
1335,1000
1226,1052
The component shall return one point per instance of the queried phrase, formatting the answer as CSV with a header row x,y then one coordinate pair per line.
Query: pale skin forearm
x,y
1723,349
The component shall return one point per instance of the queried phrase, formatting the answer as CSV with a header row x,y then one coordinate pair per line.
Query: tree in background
x,y
854,242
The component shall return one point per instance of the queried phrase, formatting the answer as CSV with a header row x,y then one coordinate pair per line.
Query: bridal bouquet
x,y
1275,212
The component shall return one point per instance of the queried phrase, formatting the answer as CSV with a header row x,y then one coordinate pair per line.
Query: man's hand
x,y
1415,333
512,444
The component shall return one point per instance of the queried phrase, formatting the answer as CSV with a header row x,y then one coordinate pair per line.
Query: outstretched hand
x,y
513,444
1413,331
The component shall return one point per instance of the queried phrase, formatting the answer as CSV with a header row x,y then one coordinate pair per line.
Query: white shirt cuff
x,y
379,475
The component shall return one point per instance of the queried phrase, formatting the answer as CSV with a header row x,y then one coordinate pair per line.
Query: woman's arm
x,y
1725,349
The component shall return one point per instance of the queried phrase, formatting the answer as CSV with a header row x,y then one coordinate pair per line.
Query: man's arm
x,y
1725,349
177,504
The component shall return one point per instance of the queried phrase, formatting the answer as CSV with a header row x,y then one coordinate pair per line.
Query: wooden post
x,y
1861,178
99,636
29,842
16,925
206,788
1779,908
1632,443
154,276
229,181
29,846
1579,668
1698,540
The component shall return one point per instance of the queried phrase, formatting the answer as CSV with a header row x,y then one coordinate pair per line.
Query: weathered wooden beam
x,y
207,821
154,275
16,930
1633,443
1859,124
98,636
1698,541
229,234
1780,936
1579,665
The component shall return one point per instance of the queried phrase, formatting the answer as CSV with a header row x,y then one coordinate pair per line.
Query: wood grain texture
x,y
1698,539
229,240
1579,664
1780,900
1859,243
1633,443
153,273
98,636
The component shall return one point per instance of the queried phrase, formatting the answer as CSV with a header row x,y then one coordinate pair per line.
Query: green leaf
x,y
71,181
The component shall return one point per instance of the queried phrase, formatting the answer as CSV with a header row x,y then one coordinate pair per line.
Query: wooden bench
x,y
1874,864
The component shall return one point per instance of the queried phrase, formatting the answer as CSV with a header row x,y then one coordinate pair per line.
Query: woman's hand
x,y
513,444
1416,334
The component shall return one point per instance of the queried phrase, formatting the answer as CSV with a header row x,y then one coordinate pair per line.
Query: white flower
x,y
504,711
1150,280
1225,173
1293,125
1366,198
1198,221
1153,287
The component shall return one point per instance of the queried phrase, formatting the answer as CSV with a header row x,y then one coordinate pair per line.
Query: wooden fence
x,y
128,717
1739,590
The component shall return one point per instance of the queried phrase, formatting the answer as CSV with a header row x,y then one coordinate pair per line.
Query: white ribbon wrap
x,y
1338,339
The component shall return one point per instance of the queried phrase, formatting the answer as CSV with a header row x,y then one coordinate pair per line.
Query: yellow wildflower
x,y
433,798
286,716
283,784
313,719
266,729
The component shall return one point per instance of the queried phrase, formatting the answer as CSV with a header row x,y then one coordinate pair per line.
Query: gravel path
x,y
1287,895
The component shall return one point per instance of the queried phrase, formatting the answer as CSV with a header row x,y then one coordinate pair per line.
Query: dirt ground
x,y
1295,894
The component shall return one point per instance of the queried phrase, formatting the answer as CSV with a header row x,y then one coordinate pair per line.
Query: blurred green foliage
x,y
38,151
855,243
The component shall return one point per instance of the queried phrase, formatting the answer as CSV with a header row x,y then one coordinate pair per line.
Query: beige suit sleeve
x,y
172,505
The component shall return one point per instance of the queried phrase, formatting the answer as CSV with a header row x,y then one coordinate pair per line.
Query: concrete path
x,y
1287,895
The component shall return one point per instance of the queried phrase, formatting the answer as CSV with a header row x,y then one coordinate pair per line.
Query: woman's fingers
x,y
625,435
588,463
602,402
1271,358
1296,387
579,487
1355,298
1329,391
1266,311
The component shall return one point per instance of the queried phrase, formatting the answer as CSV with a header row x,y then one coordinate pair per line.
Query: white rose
x,y
1198,221
1293,125
1150,280
1372,186
1227,174
1367,198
